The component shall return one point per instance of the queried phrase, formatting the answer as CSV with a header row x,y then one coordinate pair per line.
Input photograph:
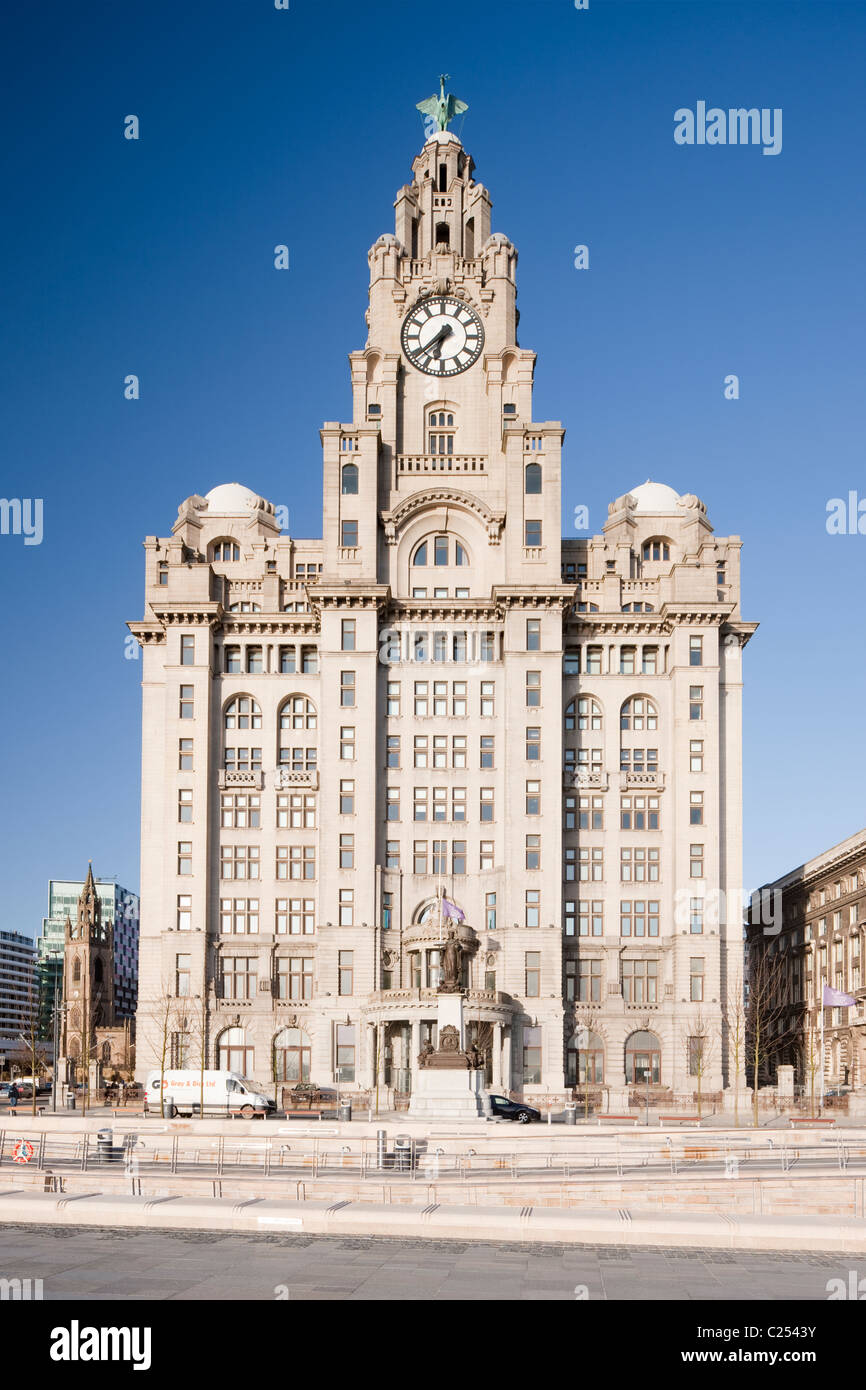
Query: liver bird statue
x,y
443,108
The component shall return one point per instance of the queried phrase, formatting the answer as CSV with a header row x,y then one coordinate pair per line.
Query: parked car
x,y
513,1110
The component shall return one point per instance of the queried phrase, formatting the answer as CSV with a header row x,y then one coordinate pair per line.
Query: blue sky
x,y
261,126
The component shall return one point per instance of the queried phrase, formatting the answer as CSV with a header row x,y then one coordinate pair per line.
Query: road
x,y
182,1265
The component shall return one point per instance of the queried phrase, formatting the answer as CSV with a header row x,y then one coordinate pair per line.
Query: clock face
x,y
442,336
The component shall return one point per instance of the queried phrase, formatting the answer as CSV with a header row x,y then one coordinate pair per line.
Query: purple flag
x,y
451,910
834,998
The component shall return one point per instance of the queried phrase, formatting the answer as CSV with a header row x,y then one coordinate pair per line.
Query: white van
x,y
223,1092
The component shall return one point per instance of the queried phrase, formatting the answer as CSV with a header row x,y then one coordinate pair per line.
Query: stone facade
x,y
814,920
91,1029
440,696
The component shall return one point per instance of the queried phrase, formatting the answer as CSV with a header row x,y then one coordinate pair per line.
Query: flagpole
x,y
822,1044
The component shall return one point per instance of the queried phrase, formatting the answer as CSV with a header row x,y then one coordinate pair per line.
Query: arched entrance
x,y
234,1053
643,1053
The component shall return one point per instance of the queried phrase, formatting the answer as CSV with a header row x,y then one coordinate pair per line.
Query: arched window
x,y
233,1052
97,971
643,1053
245,607
583,713
440,432
638,608
460,556
225,550
291,1055
444,554
584,1059
420,557
106,1051
349,480
297,712
657,548
243,713
639,715
532,478
443,234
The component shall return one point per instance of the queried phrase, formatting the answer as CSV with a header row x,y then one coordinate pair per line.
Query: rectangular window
x,y
696,979
182,975
347,851
187,651
533,851
239,861
458,751
593,661
347,796
590,812
420,800
639,865
440,750
488,699
440,803
696,861
347,907
490,911
533,635
458,857
387,910
696,651
184,912
184,805
347,635
639,917
696,755
184,755
345,1052
696,916
295,917
459,706
650,661
696,808
295,977
347,743
458,803
589,981
533,745
287,661
591,864
186,707
627,657
639,813
184,857
243,810
392,854
532,907
487,751
533,688
421,699
532,1056
440,697
255,662
346,972
419,857
533,798
532,974
349,533
239,916
532,534
485,854
347,688
487,805
640,981
393,700
309,661
696,702
420,750
392,751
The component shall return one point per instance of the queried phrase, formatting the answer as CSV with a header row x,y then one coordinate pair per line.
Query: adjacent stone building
x,y
93,1034
441,696
817,938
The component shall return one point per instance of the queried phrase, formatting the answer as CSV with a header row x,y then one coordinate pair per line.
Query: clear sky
x,y
261,126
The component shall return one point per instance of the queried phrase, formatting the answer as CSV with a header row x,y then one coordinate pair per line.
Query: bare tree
x,y
585,1020
700,1044
735,1023
814,1059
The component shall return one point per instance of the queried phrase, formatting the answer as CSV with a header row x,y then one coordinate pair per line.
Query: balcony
x,y
594,779
240,779
287,778
642,779
441,463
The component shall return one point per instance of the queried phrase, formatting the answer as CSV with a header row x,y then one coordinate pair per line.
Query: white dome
x,y
232,499
656,498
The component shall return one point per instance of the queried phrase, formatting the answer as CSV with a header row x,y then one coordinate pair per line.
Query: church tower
x,y
88,975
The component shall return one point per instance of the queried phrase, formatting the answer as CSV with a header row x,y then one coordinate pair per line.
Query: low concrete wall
x,y
455,1222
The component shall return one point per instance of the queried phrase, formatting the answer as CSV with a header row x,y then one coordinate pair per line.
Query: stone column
x,y
506,1057
372,1059
414,1049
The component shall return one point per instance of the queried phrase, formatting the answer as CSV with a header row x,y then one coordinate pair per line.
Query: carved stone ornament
x,y
449,1039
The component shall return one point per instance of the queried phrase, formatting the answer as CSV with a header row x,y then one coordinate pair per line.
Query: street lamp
x,y
647,1074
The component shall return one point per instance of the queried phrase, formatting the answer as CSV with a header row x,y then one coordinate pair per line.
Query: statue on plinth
x,y
452,955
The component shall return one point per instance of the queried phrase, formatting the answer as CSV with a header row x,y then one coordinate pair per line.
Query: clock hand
x,y
444,332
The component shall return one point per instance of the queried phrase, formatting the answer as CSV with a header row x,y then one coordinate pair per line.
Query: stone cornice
x,y
431,497
532,596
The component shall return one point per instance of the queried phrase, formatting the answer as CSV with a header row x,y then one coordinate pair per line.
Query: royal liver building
x,y
442,699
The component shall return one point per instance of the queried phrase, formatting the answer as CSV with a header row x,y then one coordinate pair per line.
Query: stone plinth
x,y
449,1094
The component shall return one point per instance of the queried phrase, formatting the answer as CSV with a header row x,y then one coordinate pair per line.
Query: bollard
x,y
571,1114
104,1141
381,1137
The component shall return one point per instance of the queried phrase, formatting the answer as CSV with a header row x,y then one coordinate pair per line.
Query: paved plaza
x,y
171,1265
